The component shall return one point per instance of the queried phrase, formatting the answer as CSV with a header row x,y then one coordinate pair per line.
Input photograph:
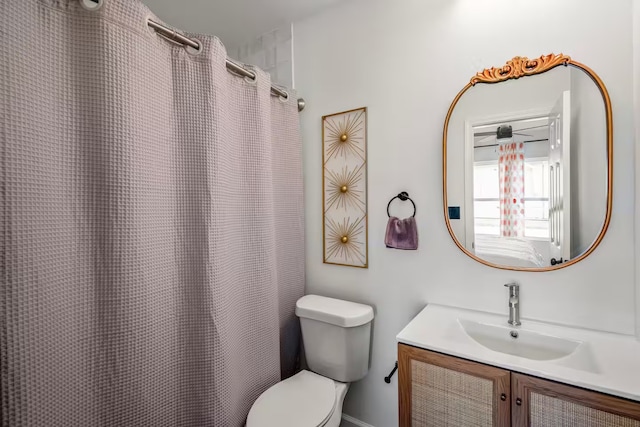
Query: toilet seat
x,y
304,400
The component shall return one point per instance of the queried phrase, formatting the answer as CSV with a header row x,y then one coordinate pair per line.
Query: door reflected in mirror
x,y
528,164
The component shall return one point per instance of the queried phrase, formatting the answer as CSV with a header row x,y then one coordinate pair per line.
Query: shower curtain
x,y
152,224
511,175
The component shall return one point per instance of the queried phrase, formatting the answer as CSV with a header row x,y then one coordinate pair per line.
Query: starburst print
x,y
343,240
345,135
343,189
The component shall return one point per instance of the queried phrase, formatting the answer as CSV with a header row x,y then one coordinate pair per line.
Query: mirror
x,y
527,162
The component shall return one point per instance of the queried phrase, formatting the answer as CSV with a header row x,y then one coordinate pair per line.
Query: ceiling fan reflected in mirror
x,y
504,132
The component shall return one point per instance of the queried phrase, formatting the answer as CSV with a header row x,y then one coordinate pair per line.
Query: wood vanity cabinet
x,y
436,390
539,403
440,390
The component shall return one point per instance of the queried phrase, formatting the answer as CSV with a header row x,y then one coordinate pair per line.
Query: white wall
x,y
272,51
636,91
588,162
406,60
234,22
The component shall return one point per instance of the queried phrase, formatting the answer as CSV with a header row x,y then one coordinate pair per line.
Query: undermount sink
x,y
519,342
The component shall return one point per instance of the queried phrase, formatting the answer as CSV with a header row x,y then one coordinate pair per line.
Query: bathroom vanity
x,y
467,368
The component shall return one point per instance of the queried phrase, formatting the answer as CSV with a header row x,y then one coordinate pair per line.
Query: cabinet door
x,y
542,403
436,390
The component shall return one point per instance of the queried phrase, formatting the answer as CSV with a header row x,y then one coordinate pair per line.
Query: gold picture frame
x,y
520,67
345,233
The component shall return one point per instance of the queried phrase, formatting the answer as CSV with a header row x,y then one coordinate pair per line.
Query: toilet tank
x,y
336,336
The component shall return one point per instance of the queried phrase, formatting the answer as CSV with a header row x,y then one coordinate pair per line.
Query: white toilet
x,y
336,336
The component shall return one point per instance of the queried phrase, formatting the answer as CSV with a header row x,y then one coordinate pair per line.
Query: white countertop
x,y
612,364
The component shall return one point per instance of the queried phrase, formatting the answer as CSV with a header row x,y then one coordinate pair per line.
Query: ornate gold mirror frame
x,y
514,69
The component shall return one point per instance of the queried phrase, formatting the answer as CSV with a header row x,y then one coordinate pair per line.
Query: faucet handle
x,y
514,288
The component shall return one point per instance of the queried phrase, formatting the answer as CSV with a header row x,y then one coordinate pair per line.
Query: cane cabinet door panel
x,y
445,391
542,403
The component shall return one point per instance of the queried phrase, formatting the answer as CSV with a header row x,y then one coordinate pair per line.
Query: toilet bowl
x,y
304,400
336,336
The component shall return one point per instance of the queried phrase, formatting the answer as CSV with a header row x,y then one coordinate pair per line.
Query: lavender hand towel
x,y
401,233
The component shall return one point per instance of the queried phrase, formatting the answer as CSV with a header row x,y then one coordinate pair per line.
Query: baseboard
x,y
348,421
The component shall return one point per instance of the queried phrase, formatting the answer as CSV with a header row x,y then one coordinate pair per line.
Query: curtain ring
x,y
402,196
91,5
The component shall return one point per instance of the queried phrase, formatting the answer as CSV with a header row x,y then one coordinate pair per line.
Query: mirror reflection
x,y
527,168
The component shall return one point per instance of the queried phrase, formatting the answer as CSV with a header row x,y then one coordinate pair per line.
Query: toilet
x,y
336,336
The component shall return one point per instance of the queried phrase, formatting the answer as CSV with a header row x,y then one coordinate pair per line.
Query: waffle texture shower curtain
x,y
152,229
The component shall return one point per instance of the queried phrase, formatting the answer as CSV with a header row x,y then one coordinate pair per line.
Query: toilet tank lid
x,y
334,311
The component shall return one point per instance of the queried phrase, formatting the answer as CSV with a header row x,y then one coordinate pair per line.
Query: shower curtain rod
x,y
231,66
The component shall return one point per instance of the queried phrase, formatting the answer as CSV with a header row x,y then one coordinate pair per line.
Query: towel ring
x,y
402,196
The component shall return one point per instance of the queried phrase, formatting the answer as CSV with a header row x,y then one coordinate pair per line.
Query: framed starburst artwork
x,y
344,188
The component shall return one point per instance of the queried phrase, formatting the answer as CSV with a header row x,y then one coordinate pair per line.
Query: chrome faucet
x,y
514,303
